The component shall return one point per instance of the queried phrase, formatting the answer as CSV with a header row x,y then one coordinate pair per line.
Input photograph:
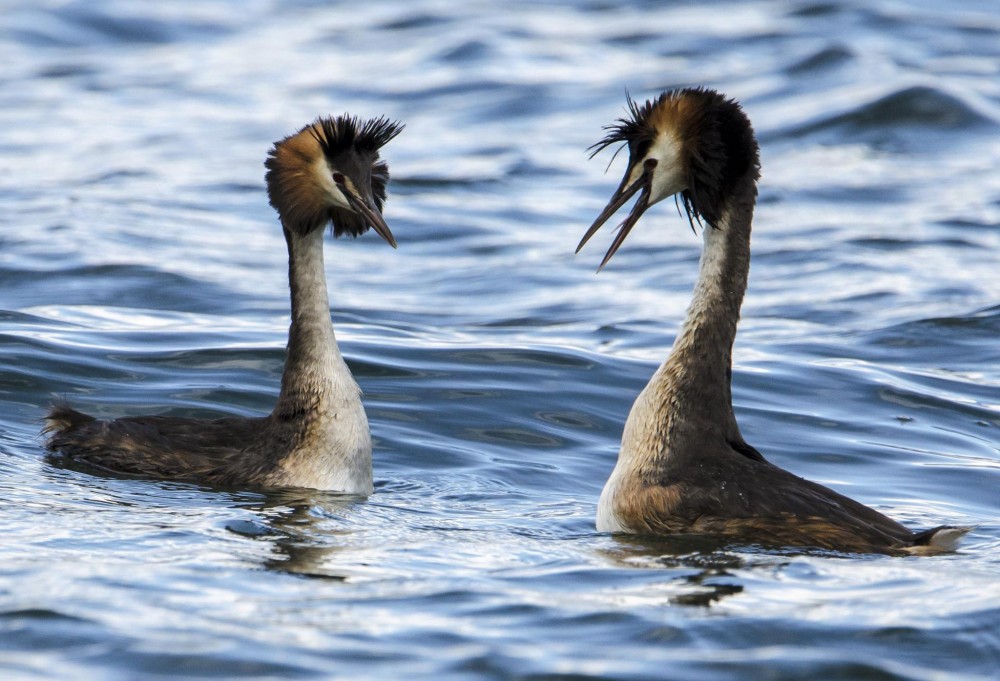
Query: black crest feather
x,y
719,145
633,130
339,134
347,143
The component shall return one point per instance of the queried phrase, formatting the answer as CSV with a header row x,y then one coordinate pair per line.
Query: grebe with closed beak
x,y
317,436
683,466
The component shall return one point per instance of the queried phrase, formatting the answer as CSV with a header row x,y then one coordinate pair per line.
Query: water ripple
x,y
143,272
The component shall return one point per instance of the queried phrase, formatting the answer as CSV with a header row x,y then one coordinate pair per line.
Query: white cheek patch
x,y
635,173
669,176
324,177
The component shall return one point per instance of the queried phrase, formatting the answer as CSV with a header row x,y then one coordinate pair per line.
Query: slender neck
x,y
314,367
696,377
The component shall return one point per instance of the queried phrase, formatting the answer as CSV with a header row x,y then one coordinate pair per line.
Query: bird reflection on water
x,y
296,523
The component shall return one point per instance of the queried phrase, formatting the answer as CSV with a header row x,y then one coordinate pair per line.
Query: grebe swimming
x,y
317,435
683,466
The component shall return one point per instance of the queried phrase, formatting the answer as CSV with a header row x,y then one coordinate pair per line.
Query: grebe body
x,y
684,466
328,173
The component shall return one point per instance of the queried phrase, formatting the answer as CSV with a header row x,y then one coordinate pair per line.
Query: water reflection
x,y
497,368
701,567
297,523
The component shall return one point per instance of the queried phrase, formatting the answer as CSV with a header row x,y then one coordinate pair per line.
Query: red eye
x,y
338,178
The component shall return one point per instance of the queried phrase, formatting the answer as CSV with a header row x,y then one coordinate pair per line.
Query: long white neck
x,y
698,371
689,398
692,389
318,393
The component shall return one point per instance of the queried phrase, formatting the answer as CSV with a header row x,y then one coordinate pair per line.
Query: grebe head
x,y
330,172
692,141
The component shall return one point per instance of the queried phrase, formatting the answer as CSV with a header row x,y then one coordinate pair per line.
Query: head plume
x,y
716,139
309,172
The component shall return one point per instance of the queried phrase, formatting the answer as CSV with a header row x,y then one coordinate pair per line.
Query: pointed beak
x,y
371,215
625,191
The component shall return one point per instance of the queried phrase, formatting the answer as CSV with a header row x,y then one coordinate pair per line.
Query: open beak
x,y
371,215
642,185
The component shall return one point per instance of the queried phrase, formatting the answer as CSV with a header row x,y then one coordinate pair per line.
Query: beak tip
x,y
388,237
618,199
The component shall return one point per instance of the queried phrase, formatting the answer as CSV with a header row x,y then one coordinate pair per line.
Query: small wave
x,y
982,326
115,285
823,60
904,115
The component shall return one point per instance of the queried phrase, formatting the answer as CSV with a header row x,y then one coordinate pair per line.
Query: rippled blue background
x,y
142,271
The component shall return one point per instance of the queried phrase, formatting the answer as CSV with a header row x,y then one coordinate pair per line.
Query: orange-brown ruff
x,y
683,466
317,435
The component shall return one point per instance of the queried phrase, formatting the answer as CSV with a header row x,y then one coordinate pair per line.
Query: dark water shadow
x,y
701,566
706,566
296,522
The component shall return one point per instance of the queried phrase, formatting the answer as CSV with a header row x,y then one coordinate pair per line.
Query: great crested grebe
x,y
683,466
317,435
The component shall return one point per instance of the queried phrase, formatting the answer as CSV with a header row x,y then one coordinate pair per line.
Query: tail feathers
x,y
62,417
938,540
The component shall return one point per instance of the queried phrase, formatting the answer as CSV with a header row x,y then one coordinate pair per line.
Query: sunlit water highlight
x,y
141,271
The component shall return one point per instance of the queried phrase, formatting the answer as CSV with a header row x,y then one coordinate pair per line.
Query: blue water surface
x,y
143,272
